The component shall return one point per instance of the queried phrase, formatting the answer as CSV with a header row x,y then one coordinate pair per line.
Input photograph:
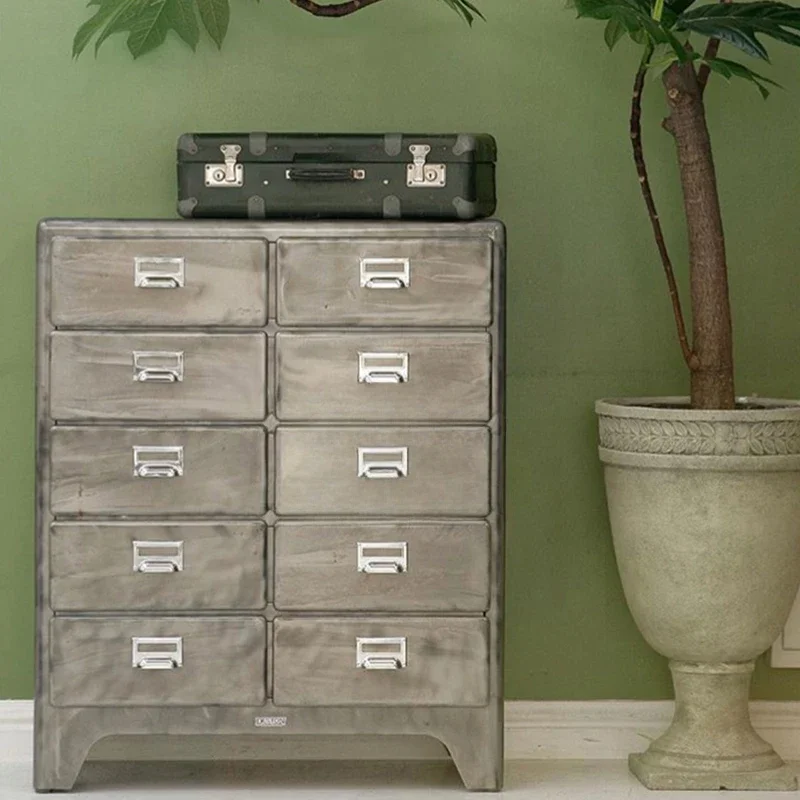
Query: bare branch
x,y
704,73
647,193
333,9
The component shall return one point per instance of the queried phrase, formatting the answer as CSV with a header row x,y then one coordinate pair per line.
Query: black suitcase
x,y
391,176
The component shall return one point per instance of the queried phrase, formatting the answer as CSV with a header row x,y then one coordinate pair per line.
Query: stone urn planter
x,y
705,516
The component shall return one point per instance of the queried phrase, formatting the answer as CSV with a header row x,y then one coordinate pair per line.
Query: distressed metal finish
x,y
447,567
94,282
448,377
223,662
319,282
213,545
224,471
317,471
223,377
446,662
91,567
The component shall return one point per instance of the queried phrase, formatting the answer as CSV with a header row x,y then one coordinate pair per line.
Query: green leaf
x,y
739,24
215,15
149,28
615,30
128,12
106,15
183,21
679,6
733,69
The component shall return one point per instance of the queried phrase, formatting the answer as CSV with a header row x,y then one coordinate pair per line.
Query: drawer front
x,y
382,566
384,281
181,661
415,662
382,471
158,376
157,566
108,470
354,376
140,282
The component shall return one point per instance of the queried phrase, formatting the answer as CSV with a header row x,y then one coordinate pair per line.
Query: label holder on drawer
x,y
382,652
157,462
157,652
383,558
382,367
382,462
385,273
157,366
159,272
157,557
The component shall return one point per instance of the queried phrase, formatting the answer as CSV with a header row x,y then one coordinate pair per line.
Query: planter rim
x,y
770,409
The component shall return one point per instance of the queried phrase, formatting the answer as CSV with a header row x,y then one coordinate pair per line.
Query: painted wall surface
x,y
587,307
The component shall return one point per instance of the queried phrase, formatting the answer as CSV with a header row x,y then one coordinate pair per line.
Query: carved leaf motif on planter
x,y
677,437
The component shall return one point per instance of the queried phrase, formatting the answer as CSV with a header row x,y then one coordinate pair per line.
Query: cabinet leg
x,y
477,754
58,757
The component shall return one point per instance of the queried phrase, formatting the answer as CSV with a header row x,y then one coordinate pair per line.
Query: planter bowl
x,y
705,517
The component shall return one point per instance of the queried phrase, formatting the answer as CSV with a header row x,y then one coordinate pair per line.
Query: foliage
x,y
147,22
663,27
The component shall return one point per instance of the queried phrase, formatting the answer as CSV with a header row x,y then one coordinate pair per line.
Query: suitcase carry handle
x,y
324,174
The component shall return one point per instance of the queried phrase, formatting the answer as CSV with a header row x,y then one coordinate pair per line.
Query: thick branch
x,y
712,341
704,73
333,9
647,193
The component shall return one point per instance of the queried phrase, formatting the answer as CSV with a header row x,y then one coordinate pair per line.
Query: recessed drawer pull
x,y
157,652
381,652
157,462
151,272
382,462
382,367
157,557
385,273
382,558
157,366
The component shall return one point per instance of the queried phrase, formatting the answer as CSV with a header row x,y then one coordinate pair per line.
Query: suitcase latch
x,y
419,174
228,174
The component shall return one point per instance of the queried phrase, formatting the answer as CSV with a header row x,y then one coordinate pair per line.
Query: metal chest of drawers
x,y
270,484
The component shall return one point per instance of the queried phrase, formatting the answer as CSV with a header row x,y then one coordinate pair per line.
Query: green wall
x,y
587,309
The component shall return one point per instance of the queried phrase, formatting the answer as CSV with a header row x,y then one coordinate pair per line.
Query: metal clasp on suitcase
x,y
422,175
229,174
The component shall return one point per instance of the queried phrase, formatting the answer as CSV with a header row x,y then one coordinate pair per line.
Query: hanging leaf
x,y
215,15
107,16
615,30
739,23
733,69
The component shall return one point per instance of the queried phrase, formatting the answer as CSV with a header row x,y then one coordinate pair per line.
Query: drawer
x,y
157,566
404,281
367,376
381,662
382,566
158,376
382,471
139,282
158,661
109,470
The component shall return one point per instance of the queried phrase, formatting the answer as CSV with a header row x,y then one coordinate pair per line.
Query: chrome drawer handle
x,y
382,462
157,462
157,652
154,272
158,557
157,366
381,652
382,367
382,558
385,273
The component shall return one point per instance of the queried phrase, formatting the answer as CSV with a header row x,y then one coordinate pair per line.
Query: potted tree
x,y
703,491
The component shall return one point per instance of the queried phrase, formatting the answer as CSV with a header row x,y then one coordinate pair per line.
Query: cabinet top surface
x,y
274,229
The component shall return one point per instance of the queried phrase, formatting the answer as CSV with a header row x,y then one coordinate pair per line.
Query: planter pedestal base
x,y
711,743
652,776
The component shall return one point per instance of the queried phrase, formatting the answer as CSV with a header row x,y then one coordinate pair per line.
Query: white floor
x,y
537,780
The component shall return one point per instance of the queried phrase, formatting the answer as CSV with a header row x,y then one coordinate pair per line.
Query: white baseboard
x,y
591,730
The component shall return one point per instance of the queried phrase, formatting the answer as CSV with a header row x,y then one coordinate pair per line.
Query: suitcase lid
x,y
332,148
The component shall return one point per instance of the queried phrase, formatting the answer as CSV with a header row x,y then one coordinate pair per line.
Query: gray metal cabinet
x,y
270,484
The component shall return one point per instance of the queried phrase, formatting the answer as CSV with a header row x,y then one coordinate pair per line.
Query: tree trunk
x,y
712,374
